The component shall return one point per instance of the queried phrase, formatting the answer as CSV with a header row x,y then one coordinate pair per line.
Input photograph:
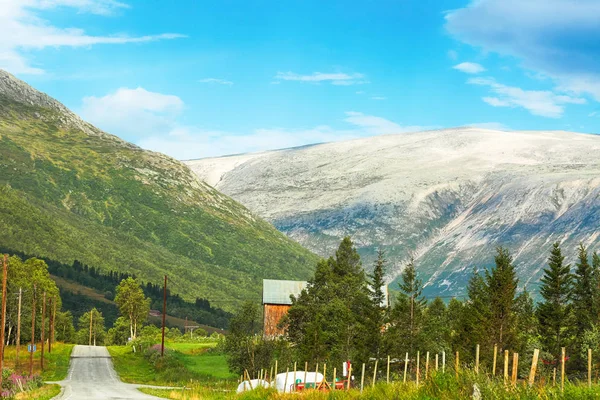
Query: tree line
x,y
200,310
342,315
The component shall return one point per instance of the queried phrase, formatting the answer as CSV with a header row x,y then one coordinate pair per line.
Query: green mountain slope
x,y
69,191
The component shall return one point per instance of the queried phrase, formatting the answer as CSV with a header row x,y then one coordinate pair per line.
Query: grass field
x,y
131,367
440,387
192,361
46,392
56,364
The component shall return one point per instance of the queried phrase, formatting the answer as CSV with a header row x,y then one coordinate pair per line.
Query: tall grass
x,y
442,386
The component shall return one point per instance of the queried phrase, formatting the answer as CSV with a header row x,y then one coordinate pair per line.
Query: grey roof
x,y
278,292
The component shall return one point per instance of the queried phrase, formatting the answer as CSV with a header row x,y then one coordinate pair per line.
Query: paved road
x,y
92,376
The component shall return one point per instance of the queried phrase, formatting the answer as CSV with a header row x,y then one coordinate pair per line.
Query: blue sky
x,y
194,79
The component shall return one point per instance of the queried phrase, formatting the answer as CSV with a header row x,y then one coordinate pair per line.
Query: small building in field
x,y
277,302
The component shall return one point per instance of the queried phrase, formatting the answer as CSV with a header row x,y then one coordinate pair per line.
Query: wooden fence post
x,y
362,378
515,368
388,370
405,367
334,374
554,377
444,361
287,372
295,367
477,359
305,372
426,365
589,367
349,375
456,367
534,361
495,359
562,369
374,373
418,370
436,362
505,367
275,368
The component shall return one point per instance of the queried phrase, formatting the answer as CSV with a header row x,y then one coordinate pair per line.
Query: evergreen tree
x,y
406,317
596,277
554,311
501,286
526,323
436,327
378,293
584,298
475,322
331,320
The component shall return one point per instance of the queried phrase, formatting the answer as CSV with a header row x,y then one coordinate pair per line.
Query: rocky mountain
x,y
446,197
69,191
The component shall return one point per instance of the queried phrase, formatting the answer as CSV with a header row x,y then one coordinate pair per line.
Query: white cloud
x,y
538,102
216,80
23,30
133,112
593,114
373,125
186,142
559,38
338,78
469,67
378,98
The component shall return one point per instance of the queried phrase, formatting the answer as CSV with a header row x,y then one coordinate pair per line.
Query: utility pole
x,y
43,329
53,319
4,275
50,326
19,326
91,319
164,314
32,332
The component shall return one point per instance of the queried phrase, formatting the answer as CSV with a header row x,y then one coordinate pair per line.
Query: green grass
x,y
440,387
190,348
56,364
46,392
132,367
70,195
191,361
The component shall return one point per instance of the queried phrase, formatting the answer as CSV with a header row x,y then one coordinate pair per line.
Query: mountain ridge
x,y
69,191
418,193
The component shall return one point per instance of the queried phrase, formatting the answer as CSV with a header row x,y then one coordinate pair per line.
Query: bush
x,y
13,383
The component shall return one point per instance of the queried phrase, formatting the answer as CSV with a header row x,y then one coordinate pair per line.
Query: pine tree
x,y
407,315
475,320
330,320
378,286
436,327
584,297
378,293
596,276
554,311
501,286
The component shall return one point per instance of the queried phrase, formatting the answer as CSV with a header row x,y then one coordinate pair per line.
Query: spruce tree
x,y
584,297
378,293
407,315
476,319
554,311
596,276
436,327
501,286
